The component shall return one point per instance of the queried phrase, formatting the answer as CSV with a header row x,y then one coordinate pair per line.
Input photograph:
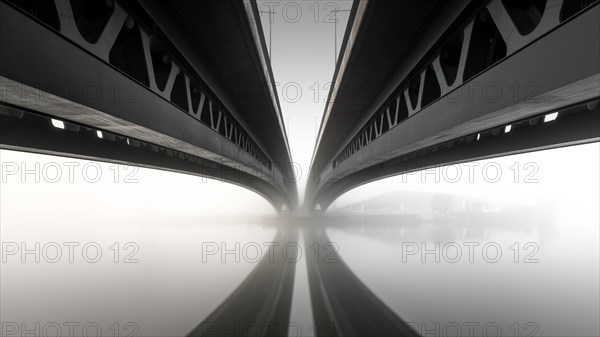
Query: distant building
x,y
417,203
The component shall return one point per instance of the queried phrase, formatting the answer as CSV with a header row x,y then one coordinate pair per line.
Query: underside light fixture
x,y
58,124
99,134
550,117
478,136
507,128
128,141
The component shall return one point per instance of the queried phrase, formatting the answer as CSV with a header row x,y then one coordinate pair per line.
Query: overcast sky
x,y
303,44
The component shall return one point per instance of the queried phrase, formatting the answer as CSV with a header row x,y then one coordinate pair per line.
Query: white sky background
x,y
565,178
303,52
58,185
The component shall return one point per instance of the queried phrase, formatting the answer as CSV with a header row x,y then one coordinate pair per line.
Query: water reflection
x,y
488,262
171,284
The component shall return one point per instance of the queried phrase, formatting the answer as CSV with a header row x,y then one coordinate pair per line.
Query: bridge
x,y
431,83
183,86
188,87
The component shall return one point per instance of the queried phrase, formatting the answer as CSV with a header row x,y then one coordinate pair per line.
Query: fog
x,y
161,278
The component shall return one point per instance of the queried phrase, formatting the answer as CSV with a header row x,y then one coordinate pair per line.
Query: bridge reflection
x,y
466,273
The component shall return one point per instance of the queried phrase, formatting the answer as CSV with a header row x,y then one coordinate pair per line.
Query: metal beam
x,y
30,132
576,126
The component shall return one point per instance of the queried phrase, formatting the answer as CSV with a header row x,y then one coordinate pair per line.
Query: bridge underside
x,y
449,92
576,125
158,86
31,132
